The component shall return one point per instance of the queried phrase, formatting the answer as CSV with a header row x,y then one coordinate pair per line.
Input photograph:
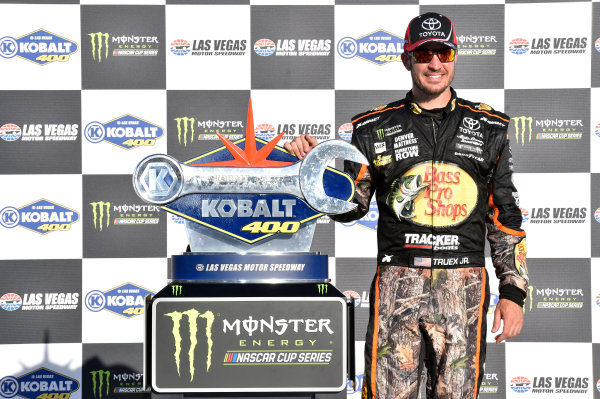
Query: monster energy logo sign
x,y
99,378
192,316
182,124
99,43
520,121
380,134
98,213
176,290
322,289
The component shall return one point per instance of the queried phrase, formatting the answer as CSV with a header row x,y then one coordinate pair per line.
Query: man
x,y
441,169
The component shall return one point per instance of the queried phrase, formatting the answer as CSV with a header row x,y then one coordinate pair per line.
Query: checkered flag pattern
x,y
88,89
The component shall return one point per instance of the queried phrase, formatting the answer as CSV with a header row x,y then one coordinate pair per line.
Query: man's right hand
x,y
301,145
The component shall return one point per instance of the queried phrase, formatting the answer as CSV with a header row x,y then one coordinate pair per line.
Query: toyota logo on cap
x,y
471,124
431,24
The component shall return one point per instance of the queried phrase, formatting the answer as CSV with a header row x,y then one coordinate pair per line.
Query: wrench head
x,y
312,170
158,179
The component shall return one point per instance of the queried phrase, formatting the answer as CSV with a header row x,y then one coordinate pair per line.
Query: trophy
x,y
249,309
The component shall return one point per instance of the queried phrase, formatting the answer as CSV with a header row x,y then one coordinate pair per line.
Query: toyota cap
x,y
428,27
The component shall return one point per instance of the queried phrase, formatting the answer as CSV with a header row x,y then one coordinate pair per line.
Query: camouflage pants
x,y
426,317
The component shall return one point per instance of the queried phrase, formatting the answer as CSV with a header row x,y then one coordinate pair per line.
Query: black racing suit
x,y
440,177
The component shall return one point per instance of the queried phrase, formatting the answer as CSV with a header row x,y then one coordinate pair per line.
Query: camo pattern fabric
x,y
429,326
508,270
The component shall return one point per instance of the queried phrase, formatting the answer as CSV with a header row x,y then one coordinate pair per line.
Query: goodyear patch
x,y
127,300
42,216
126,132
39,383
40,47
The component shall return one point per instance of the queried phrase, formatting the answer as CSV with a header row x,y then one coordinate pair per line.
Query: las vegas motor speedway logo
x,y
41,216
548,45
29,132
104,44
127,300
40,47
126,132
209,47
293,47
40,301
379,47
42,383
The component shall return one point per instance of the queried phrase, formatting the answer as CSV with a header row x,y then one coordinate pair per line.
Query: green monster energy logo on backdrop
x,y
530,289
103,376
322,289
176,290
521,120
97,45
185,121
380,134
192,315
98,212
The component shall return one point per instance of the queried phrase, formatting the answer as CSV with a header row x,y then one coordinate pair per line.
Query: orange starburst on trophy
x,y
249,156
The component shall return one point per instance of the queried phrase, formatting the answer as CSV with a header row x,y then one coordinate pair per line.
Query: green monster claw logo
x,y
176,290
322,289
192,315
98,212
530,289
185,121
103,376
522,120
380,134
97,37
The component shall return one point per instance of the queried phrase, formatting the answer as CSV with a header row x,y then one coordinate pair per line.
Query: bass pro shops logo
x,y
39,384
379,47
40,47
126,45
126,132
42,216
193,316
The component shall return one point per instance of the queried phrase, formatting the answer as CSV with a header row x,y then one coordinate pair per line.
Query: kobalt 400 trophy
x,y
250,309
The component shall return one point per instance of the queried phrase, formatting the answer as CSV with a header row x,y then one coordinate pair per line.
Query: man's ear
x,y
406,61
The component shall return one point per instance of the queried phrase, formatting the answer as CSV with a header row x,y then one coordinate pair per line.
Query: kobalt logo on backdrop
x,y
39,132
42,216
126,300
549,45
38,384
477,45
558,215
379,47
40,301
210,47
546,129
554,385
104,44
293,47
190,129
41,47
126,131
124,214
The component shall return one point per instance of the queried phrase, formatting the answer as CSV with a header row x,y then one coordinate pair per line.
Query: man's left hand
x,y
512,314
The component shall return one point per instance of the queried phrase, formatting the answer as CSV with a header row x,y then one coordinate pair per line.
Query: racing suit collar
x,y
438,112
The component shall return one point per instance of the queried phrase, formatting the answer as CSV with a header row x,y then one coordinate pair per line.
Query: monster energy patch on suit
x,y
236,344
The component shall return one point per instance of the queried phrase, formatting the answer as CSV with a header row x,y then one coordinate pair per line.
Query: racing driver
x,y
441,168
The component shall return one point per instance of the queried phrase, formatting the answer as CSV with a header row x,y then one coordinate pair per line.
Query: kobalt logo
x,y
379,47
193,316
264,47
126,132
42,216
124,45
40,383
10,132
471,123
10,301
180,47
518,46
431,24
41,47
127,300
520,384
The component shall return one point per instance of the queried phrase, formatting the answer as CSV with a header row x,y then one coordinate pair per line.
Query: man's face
x,y
430,78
